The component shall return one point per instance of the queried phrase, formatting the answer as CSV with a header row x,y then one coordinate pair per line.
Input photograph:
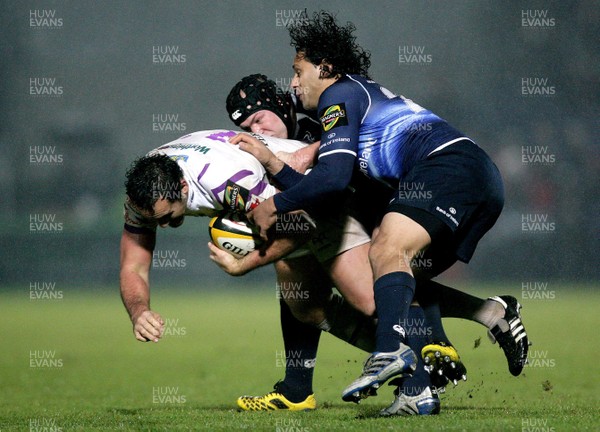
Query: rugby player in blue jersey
x,y
396,142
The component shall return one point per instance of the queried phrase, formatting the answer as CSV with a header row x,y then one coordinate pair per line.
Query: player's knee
x,y
381,252
386,256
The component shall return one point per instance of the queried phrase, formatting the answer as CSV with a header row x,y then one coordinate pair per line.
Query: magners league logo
x,y
236,196
333,116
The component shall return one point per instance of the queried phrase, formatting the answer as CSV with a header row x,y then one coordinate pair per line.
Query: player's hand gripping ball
x,y
233,234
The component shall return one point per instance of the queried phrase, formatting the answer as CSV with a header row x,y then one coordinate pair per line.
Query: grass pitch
x,y
72,364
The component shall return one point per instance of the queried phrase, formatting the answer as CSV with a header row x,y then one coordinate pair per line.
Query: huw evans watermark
x,y
537,19
167,395
536,425
537,291
414,55
44,425
537,86
540,359
45,19
291,291
290,425
288,17
168,55
44,291
167,122
44,155
168,259
44,359
293,359
537,223
537,155
167,190
44,223
292,224
174,328
414,191
45,87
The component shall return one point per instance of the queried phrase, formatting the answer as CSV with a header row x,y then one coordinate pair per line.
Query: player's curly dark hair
x,y
322,38
150,178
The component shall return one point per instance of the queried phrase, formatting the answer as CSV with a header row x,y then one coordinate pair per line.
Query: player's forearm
x,y
136,259
280,248
323,184
135,293
273,165
287,177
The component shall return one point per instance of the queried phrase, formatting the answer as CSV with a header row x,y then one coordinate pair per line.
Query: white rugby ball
x,y
232,235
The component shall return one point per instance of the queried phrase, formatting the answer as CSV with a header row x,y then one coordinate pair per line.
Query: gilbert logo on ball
x,y
232,235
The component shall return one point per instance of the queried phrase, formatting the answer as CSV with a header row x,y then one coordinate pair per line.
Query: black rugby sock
x,y
301,342
427,296
452,302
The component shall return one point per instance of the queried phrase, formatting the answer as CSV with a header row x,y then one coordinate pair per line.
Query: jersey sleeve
x,y
342,108
287,177
135,223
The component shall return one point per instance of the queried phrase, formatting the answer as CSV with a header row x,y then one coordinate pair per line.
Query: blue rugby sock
x,y
393,295
417,336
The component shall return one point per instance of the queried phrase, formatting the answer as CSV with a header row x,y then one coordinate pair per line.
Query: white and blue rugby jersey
x,y
367,127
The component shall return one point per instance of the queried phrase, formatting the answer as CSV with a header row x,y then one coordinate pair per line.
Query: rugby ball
x,y
232,234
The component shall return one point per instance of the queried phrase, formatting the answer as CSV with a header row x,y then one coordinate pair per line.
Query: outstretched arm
x,y
136,259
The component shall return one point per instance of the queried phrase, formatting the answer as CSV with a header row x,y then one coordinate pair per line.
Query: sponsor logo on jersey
x,y
184,146
333,116
236,196
177,158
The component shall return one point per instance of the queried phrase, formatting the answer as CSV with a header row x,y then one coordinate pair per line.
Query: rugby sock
x,y
457,304
427,296
417,337
393,295
300,342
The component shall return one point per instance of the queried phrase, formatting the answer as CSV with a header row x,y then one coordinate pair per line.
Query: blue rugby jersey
x,y
367,127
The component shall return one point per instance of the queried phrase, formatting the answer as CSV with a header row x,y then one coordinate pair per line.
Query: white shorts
x,y
333,236
337,235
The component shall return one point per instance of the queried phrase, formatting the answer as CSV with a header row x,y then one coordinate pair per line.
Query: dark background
x,y
100,56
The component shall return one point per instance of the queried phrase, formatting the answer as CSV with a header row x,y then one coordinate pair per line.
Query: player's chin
x,y
176,222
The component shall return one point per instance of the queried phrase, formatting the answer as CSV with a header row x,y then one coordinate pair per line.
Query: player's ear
x,y
184,186
325,69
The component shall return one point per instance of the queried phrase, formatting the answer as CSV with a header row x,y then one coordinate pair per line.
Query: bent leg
x,y
351,274
398,240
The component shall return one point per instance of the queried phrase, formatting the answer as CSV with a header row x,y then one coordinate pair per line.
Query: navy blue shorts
x,y
456,194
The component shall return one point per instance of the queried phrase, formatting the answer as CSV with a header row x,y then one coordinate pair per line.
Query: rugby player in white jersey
x,y
197,175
